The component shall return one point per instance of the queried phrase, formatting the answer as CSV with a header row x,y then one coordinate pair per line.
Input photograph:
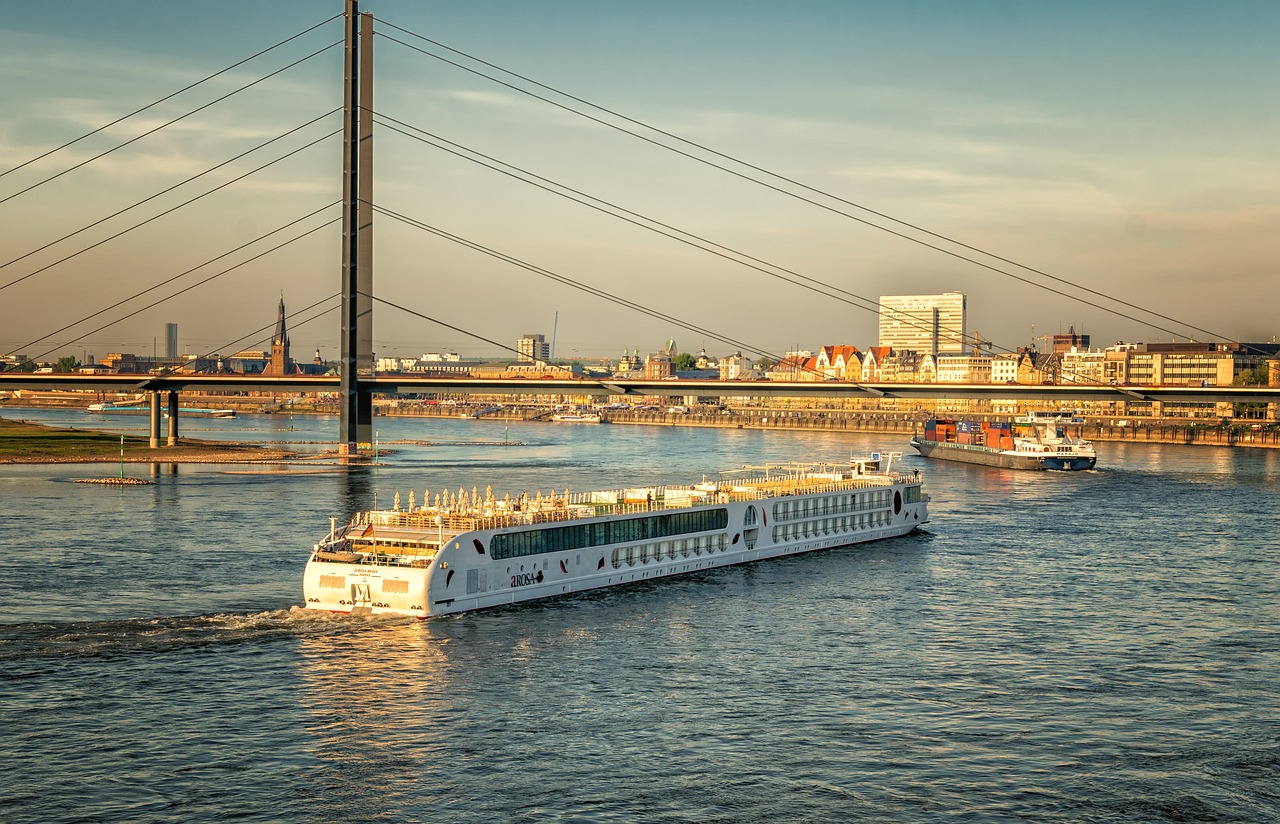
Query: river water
x,y
1097,646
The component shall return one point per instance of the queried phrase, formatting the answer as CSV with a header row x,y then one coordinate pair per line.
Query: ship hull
x,y
1006,459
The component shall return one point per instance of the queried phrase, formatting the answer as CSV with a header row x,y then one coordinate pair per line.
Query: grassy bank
x,y
23,442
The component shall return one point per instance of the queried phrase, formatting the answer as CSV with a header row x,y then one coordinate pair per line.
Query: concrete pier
x,y
155,420
173,419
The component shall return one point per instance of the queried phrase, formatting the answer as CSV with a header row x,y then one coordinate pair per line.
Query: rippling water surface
x,y
1099,646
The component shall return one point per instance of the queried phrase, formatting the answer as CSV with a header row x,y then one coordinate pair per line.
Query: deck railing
x,y
524,511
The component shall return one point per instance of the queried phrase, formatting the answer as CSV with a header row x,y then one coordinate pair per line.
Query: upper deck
x,y
452,514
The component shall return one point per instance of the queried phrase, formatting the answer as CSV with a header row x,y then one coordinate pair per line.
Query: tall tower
x,y
356,405
280,364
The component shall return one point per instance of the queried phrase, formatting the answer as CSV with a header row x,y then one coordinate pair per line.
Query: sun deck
x,y
452,514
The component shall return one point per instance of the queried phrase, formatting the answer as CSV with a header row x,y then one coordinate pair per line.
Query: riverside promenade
x,y
1168,431
1246,433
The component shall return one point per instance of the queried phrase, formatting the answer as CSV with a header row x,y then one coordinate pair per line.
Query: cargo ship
x,y
1040,440
470,551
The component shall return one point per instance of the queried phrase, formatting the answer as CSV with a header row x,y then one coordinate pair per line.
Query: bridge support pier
x,y
1273,379
155,419
173,418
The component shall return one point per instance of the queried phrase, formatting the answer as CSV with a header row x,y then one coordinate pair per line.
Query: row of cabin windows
x,y
830,526
603,533
831,505
669,550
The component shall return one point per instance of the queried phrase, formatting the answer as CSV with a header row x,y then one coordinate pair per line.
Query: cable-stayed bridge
x,y
357,383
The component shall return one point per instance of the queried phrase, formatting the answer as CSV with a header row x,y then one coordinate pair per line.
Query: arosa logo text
x,y
524,579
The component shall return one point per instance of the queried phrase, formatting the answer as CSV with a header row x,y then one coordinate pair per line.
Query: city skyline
x,y
1130,149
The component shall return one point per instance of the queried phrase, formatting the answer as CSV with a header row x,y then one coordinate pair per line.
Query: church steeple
x,y
282,337
280,363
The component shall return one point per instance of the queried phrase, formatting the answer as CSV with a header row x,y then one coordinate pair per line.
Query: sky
x,y
1127,152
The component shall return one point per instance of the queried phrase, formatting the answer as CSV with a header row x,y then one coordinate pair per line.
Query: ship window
x,y
333,581
617,561
644,554
395,586
564,538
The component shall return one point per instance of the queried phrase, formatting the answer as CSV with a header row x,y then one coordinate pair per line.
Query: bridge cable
x,y
167,191
170,210
170,96
783,191
184,290
271,325
811,284
567,281
166,125
726,252
169,280
800,368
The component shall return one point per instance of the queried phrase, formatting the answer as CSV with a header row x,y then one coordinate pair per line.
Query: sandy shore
x,y
23,442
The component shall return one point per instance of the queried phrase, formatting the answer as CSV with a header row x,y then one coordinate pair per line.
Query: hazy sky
x,y
1131,148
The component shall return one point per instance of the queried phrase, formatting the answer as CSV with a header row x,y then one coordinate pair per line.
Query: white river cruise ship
x,y
468,551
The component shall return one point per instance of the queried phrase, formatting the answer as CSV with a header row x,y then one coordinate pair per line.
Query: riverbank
x,y
1266,435
25,442
1257,434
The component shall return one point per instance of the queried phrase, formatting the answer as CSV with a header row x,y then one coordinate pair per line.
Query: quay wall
x,y
904,424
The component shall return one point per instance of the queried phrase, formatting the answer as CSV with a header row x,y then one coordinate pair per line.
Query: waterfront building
x,y
532,348
840,362
1035,369
909,367
1083,365
1068,342
395,364
796,368
658,367
246,361
735,367
964,368
1176,364
923,323
871,372
1004,367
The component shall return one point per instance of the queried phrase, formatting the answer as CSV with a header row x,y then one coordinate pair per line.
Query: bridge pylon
x,y
356,326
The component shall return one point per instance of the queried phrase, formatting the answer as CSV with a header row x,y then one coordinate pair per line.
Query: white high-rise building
x,y
927,324
533,349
